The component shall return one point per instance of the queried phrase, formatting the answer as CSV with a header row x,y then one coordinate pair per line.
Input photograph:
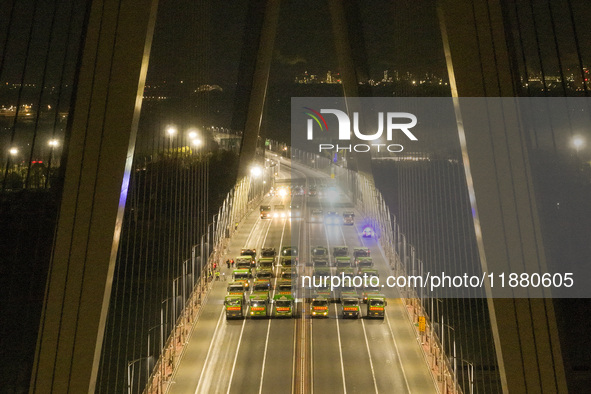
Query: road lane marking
x,y
340,350
265,356
397,352
213,340
268,325
236,357
373,374
293,369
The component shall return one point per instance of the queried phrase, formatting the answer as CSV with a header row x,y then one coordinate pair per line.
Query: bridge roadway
x,y
258,355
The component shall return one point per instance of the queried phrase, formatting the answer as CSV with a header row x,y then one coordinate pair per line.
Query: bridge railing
x,y
239,202
401,258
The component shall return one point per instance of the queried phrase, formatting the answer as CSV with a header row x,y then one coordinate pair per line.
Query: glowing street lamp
x,y
256,171
196,142
13,151
192,134
578,142
53,143
171,130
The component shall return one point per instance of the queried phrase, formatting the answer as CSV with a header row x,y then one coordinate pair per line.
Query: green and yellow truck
x,y
263,274
340,251
235,306
242,275
283,287
350,307
244,262
376,305
236,288
259,304
368,291
266,263
363,262
342,262
361,251
319,307
283,305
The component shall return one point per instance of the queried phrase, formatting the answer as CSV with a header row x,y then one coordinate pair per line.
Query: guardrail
x,y
240,201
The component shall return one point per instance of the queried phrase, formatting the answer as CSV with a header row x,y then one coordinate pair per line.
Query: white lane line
x,y
293,369
236,356
265,356
397,352
311,359
213,340
340,350
390,327
338,326
373,374
268,325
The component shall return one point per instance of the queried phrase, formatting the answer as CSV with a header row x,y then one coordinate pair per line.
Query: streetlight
x,y
171,131
13,151
256,171
196,142
53,143
192,134
578,142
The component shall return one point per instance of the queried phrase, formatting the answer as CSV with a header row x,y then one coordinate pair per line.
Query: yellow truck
x,y
283,305
376,305
235,306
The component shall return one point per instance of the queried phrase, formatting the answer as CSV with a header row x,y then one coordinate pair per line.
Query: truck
x,y
242,275
235,306
348,218
340,251
265,211
283,305
332,217
236,288
350,307
318,252
361,251
259,304
368,273
279,211
347,292
319,307
287,262
318,263
268,252
283,287
376,305
289,251
369,291
244,262
266,263
288,274
342,262
261,286
317,216
263,274
363,262
322,289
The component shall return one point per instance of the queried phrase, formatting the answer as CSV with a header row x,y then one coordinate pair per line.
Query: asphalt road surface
x,y
269,355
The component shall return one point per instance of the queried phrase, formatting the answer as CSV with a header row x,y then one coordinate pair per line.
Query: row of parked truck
x,y
250,292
